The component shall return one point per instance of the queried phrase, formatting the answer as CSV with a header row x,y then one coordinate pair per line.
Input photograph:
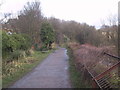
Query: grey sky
x,y
93,12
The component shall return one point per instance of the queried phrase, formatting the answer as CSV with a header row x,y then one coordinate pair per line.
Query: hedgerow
x,y
13,42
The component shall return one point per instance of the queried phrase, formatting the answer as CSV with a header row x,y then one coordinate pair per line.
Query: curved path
x,y
51,73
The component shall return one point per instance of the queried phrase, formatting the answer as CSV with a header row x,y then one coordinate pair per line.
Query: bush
x,y
8,44
24,42
16,55
27,42
43,48
11,43
47,35
36,46
29,52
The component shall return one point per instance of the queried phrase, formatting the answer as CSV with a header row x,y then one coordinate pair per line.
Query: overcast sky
x,y
92,12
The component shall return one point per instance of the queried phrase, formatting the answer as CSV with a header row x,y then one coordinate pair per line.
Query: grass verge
x,y
75,75
23,66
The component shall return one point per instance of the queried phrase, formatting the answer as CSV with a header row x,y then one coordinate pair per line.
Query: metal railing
x,y
101,80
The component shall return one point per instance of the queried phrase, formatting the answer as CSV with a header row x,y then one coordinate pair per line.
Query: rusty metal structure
x,y
104,80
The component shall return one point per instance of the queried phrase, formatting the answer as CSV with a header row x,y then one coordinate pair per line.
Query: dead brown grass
x,y
92,57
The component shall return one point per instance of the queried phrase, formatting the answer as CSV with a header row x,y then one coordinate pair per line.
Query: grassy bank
x,y
23,66
75,75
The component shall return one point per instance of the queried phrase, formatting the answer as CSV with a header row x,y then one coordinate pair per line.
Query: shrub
x,y
29,52
47,35
11,43
27,42
43,48
24,42
16,55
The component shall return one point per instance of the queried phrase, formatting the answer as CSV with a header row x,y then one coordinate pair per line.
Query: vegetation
x,y
75,75
18,57
32,29
30,21
47,35
91,58
14,70
21,39
11,43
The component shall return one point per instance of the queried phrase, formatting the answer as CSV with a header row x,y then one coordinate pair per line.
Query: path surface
x,y
51,73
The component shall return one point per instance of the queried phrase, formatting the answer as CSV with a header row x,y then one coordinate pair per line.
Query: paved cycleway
x,y
51,73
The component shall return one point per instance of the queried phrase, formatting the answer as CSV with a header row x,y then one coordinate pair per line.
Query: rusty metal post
x,y
107,71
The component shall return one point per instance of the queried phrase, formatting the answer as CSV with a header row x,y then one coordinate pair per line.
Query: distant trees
x,y
82,33
56,24
88,34
47,35
30,19
109,30
110,34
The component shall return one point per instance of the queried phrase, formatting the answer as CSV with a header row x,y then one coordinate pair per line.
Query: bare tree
x,y
110,28
29,20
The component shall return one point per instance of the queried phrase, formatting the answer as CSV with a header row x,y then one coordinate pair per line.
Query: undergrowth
x,y
75,76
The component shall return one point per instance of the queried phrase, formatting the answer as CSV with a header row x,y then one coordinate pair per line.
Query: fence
x,y
105,80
